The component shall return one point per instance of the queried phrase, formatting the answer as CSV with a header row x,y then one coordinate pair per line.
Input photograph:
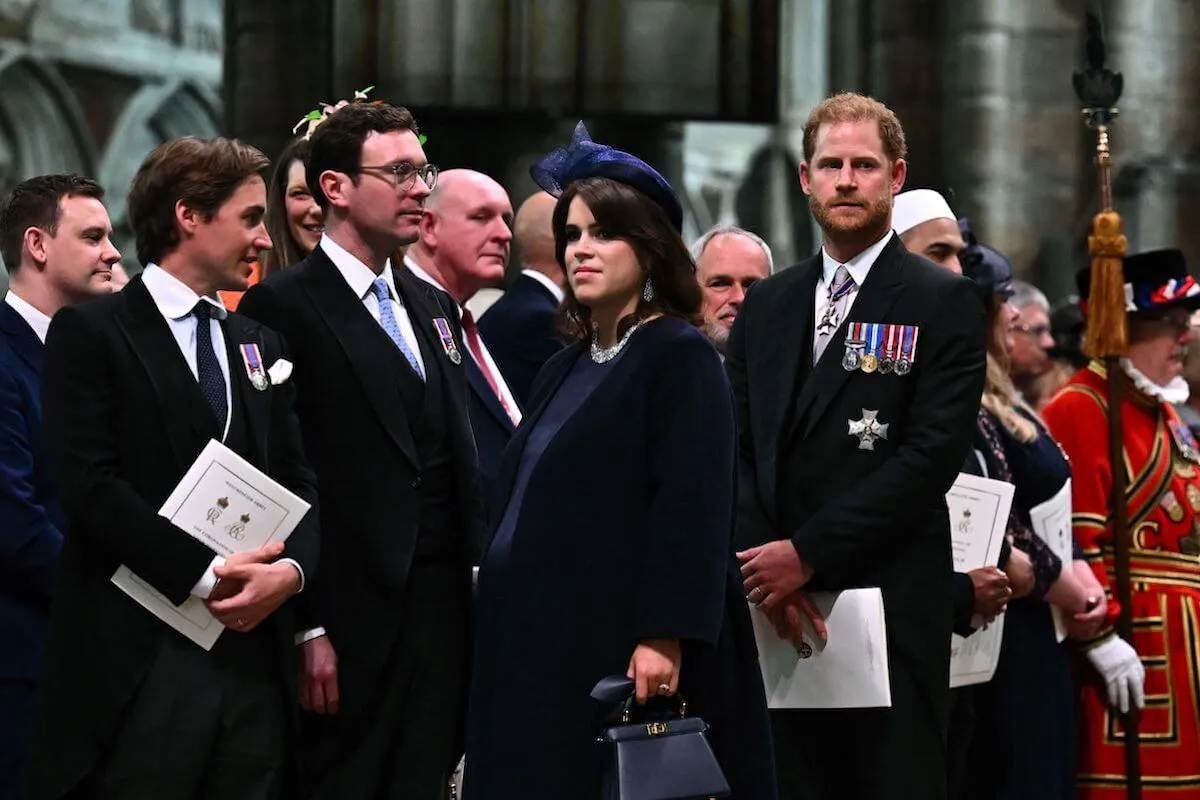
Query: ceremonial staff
x,y
1098,90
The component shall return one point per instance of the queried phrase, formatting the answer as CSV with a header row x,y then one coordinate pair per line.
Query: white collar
x,y
551,286
1175,392
35,318
859,266
356,273
174,298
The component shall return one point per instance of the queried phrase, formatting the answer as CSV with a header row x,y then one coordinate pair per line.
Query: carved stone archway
x,y
42,128
156,112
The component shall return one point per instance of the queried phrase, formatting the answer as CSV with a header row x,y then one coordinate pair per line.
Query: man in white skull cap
x,y
928,227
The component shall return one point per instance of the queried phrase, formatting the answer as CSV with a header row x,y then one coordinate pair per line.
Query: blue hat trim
x,y
988,268
587,159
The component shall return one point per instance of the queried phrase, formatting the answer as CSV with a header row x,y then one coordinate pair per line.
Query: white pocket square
x,y
280,371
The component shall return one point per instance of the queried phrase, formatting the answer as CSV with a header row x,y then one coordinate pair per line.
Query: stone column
x,y
278,66
1012,133
1153,44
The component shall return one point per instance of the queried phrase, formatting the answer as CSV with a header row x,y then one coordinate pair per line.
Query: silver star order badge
x,y
868,429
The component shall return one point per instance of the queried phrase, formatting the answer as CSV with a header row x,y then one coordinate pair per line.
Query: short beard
x,y
878,213
717,334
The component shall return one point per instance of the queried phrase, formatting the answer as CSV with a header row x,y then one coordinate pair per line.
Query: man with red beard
x,y
857,376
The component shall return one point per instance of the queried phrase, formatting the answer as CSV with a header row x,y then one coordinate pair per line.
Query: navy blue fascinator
x,y
988,268
587,159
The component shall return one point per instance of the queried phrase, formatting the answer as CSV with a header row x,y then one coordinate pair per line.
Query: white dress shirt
x,y
175,300
360,277
551,286
858,267
36,319
502,384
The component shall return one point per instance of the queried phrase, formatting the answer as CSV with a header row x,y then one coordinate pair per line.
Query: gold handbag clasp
x,y
656,728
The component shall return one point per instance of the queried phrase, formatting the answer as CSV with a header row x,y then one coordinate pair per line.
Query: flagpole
x,y
1098,90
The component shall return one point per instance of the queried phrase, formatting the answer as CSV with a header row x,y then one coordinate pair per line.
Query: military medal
x,y
1184,442
855,342
829,320
1171,505
868,429
449,346
870,361
254,366
889,349
908,349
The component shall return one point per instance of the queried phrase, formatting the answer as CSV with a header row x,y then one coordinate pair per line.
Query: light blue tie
x,y
379,288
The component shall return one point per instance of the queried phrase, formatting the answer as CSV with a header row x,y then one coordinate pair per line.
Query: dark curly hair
x,y
634,218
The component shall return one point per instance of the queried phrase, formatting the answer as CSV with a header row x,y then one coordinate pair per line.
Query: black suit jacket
x,y
862,517
125,419
360,442
32,520
521,331
489,422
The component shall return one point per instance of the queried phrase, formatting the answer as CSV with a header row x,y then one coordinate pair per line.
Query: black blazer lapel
x,y
256,404
480,386
174,384
21,337
782,358
827,377
365,345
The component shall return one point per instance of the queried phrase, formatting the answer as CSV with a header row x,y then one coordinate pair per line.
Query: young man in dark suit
x,y
464,245
134,387
857,376
382,404
55,242
521,328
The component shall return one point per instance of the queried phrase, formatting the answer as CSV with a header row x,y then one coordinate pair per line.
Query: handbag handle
x,y
622,690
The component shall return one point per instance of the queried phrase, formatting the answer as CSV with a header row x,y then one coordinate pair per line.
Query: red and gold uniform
x,y
1163,501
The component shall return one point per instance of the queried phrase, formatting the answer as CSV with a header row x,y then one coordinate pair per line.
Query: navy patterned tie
x,y
208,369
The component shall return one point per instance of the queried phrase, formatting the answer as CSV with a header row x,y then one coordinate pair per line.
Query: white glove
x,y
1120,667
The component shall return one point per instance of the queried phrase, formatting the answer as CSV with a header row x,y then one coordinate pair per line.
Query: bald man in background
x,y
928,227
464,244
522,328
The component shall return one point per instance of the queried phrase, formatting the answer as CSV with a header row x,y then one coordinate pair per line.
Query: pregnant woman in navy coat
x,y
612,554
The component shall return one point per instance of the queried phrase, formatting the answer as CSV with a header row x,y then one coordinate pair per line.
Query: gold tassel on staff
x,y
1098,90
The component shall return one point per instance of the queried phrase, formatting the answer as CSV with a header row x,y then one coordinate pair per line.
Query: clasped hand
x,y
250,586
771,572
654,668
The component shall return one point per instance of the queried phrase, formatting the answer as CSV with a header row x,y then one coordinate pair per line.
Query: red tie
x,y
471,332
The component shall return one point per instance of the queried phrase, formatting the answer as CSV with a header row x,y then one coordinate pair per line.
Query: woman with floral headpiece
x,y
612,553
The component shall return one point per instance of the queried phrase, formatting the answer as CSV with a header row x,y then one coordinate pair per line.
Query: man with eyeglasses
x,y
381,395
1032,337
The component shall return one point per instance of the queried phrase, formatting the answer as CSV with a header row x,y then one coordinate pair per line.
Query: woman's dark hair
x,y
629,215
285,250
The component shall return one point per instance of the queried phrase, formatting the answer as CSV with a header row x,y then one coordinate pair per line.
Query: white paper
x,y
979,509
227,503
850,671
1052,524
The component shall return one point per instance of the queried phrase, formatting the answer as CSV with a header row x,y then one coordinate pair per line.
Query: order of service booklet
x,y
230,505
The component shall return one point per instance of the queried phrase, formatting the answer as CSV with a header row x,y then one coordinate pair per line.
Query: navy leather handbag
x,y
655,752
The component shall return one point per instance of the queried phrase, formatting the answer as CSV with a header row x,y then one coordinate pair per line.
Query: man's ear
x,y
428,229
805,178
188,219
899,173
34,242
335,186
